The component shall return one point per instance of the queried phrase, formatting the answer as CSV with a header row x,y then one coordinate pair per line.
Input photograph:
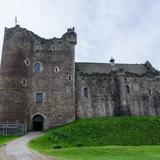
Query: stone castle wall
x,y
56,80
13,96
70,90
20,82
116,95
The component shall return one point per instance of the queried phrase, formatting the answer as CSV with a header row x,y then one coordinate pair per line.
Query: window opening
x,y
69,78
27,62
56,69
127,89
39,97
24,82
85,92
37,67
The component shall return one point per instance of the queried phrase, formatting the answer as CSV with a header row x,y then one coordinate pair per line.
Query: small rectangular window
x,y
85,92
37,67
127,89
69,78
39,97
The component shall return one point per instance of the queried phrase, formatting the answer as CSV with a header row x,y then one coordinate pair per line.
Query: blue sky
x,y
127,30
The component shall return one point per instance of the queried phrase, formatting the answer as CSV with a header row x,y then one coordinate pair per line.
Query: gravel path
x,y
18,150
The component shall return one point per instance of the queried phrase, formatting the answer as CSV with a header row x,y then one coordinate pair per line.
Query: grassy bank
x,y
82,138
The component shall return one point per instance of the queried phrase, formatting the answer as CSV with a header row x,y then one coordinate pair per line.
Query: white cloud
x,y
125,29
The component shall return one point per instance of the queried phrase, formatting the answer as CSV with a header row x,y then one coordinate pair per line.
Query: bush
x,y
78,145
57,146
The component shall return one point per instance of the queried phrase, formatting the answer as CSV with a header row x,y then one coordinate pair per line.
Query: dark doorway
x,y
38,121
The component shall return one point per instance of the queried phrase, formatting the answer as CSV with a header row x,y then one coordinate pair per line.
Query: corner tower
x,y
14,75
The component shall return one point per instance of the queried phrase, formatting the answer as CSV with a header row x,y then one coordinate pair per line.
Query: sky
x,y
127,30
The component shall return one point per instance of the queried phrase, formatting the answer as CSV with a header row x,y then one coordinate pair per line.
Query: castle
x,y
42,86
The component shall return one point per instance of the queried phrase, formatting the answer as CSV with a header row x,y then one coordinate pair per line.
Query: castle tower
x,y
14,75
37,79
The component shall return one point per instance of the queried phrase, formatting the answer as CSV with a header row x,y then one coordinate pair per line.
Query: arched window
x,y
37,67
127,89
85,92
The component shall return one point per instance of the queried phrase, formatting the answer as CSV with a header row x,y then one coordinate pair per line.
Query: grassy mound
x,y
126,131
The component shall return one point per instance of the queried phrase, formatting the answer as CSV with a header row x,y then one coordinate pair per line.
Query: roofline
x,y
110,63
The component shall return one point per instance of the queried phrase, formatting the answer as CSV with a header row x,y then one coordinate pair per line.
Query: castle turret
x,y
71,36
14,74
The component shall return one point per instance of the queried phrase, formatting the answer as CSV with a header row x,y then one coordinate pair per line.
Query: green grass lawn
x,y
103,139
6,139
105,153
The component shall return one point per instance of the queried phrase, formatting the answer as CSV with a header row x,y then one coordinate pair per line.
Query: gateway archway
x,y
38,123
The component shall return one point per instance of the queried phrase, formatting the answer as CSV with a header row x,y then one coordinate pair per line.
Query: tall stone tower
x,y
37,84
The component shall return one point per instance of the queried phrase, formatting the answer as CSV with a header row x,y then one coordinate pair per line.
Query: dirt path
x,y
18,150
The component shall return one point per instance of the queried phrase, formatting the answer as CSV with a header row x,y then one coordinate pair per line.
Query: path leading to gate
x,y
18,149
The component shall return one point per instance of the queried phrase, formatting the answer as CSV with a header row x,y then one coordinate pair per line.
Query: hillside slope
x,y
126,131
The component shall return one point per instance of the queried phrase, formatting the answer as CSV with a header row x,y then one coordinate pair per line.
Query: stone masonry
x,y
39,77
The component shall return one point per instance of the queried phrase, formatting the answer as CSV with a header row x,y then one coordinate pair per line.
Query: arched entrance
x,y
38,122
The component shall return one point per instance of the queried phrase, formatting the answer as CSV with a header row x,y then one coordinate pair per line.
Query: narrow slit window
x,y
56,69
24,82
127,89
69,78
27,62
53,48
85,92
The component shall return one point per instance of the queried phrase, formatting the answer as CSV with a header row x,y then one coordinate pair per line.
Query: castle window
x,y
150,93
127,89
69,78
37,67
85,92
39,97
24,82
27,62
56,69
